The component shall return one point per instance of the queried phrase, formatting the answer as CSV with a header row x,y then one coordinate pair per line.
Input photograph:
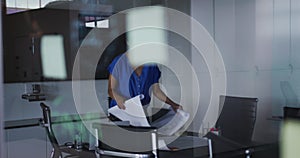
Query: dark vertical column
x,y
2,151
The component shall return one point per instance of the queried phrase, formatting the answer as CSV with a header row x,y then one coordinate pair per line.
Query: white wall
x,y
258,40
59,97
203,12
265,129
237,43
277,59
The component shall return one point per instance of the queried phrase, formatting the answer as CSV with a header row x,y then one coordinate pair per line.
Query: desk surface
x,y
227,150
260,151
221,147
224,148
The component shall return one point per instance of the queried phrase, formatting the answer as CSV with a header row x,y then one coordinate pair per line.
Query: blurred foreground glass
x,y
290,139
145,37
53,57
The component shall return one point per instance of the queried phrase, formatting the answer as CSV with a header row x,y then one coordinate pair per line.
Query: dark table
x,y
224,148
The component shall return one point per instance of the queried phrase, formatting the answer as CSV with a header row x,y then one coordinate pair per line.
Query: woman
x,y
127,81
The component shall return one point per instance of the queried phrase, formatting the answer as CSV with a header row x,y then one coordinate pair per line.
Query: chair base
x,y
123,154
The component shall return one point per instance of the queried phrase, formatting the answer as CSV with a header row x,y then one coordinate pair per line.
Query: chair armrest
x,y
42,123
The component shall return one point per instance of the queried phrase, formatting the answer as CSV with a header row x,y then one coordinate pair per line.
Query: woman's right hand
x,y
112,82
121,102
121,106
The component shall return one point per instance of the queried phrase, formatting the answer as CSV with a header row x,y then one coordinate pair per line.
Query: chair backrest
x,y
291,112
48,126
237,118
140,141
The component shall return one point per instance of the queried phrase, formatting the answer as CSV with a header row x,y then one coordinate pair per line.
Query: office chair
x,y
59,149
291,112
140,142
237,118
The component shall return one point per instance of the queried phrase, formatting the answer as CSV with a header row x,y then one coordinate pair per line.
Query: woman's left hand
x,y
176,107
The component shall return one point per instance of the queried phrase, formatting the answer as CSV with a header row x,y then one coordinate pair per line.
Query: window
x,y
14,6
96,21
88,22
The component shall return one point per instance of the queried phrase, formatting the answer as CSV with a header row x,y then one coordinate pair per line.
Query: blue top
x,y
123,72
